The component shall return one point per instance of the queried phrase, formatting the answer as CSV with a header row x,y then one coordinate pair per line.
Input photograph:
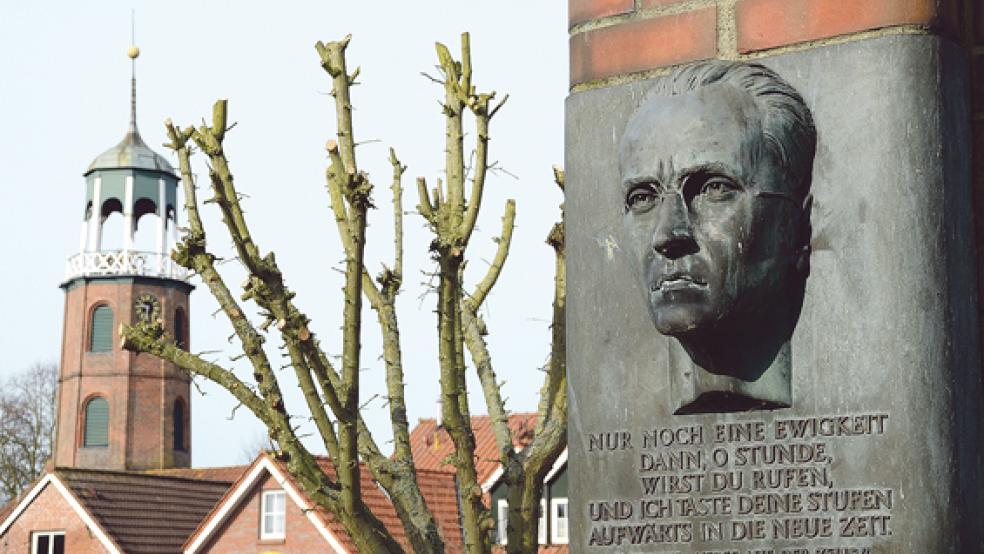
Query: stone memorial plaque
x,y
772,328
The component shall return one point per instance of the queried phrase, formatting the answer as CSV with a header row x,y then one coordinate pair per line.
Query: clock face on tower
x,y
147,308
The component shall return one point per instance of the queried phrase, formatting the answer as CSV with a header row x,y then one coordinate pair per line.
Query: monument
x,y
774,345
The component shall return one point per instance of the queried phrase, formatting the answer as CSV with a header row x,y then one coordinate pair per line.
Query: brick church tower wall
x,y
141,390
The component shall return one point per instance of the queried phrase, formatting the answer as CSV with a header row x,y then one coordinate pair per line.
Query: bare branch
x,y
397,189
424,207
495,268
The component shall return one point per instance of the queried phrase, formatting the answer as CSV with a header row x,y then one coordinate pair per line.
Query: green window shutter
x,y
102,330
96,422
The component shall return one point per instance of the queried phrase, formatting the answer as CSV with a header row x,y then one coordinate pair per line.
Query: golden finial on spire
x,y
133,52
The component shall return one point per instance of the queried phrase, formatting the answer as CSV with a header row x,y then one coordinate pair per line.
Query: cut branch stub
x,y
559,176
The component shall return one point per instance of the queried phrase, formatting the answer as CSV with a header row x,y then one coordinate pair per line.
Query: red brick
x,y
766,24
579,11
645,44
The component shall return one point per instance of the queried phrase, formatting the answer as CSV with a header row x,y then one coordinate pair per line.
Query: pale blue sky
x,y
64,87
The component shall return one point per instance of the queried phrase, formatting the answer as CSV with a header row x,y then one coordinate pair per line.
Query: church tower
x,y
119,410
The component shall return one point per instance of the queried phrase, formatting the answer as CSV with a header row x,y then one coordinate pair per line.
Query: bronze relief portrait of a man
x,y
715,172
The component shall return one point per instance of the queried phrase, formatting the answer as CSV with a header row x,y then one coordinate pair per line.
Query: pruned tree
x,y
330,389
27,422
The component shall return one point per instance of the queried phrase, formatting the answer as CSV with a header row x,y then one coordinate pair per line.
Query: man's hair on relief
x,y
787,124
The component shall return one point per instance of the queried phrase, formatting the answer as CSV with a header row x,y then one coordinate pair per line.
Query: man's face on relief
x,y
708,216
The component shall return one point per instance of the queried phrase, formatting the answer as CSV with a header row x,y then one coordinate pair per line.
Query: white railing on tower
x,y
124,263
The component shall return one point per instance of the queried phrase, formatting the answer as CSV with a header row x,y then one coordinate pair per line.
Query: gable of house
x,y
237,524
50,510
242,528
110,511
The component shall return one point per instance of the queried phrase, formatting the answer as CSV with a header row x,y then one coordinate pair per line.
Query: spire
x,y
133,52
132,151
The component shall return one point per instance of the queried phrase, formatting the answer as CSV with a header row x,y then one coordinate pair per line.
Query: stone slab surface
x,y
885,357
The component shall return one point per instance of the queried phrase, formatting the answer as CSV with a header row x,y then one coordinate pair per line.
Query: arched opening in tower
x,y
111,237
146,223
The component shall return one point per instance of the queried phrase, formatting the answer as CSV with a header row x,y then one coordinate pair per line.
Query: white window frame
x,y
267,510
502,513
555,536
502,517
51,542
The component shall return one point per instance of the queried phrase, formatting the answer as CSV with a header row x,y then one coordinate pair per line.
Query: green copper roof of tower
x,y
131,152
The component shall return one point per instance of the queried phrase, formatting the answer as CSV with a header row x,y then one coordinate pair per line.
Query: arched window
x,y
96,431
180,329
101,330
179,426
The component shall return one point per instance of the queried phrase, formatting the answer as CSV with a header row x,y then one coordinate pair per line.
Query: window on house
x,y
96,431
179,426
273,515
101,330
503,519
49,542
502,513
558,509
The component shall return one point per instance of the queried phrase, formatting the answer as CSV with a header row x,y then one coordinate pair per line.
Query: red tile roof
x,y
143,513
432,445
372,495
441,495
